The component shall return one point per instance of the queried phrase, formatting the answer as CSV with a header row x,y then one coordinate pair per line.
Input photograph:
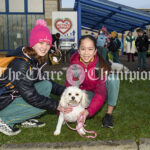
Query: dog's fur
x,y
72,96
118,67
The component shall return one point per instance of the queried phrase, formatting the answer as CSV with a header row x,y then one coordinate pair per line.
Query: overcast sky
x,y
132,3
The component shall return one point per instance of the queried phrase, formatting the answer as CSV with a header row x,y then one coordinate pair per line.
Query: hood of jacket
x,y
18,52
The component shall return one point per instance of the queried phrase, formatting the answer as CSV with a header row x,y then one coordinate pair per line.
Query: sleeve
x,y
57,89
111,46
137,42
99,97
118,43
146,41
26,88
57,43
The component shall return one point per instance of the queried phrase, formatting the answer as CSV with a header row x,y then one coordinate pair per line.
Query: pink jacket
x,y
91,83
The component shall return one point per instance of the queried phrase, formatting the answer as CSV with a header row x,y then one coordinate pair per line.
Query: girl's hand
x,y
65,110
83,115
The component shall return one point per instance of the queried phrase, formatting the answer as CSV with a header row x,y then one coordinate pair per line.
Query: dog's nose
x,y
73,98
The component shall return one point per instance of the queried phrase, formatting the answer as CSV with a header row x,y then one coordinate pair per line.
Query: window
x,y
3,33
16,31
18,35
16,6
35,6
2,6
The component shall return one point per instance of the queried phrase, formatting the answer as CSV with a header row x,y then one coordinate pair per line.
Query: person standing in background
x,y
55,38
102,44
114,46
130,46
142,47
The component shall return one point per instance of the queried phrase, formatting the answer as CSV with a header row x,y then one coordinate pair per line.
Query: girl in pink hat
x,y
27,95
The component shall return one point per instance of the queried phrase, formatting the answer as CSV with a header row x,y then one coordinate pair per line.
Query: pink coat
x,y
91,83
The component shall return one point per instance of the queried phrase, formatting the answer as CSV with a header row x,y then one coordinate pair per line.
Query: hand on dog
x,y
65,110
83,115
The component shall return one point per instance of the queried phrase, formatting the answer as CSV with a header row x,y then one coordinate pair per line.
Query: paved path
x,y
144,144
131,65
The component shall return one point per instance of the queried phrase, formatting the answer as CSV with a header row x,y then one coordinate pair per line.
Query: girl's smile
x,y
87,50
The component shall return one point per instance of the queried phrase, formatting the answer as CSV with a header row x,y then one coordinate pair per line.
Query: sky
x,y
132,3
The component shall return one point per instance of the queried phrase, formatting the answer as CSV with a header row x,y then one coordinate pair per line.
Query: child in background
x,y
142,47
114,46
130,48
102,43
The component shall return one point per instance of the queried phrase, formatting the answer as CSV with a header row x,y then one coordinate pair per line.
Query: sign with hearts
x,y
65,23
63,26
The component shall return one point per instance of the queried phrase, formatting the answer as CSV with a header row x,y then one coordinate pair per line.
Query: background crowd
x,y
109,44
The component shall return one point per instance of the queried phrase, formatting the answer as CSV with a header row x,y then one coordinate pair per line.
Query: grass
x,y
131,120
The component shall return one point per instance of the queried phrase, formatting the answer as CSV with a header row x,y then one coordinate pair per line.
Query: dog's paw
x,y
56,132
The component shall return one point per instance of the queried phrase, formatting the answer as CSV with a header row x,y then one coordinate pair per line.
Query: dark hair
x,y
102,63
87,37
139,30
31,52
58,35
129,33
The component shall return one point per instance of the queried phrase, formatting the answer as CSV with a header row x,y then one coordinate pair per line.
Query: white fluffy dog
x,y
118,67
78,100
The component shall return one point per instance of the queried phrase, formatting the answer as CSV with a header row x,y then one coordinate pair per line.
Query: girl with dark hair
x,y
95,79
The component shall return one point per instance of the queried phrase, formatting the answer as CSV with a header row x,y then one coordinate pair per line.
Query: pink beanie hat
x,y
40,33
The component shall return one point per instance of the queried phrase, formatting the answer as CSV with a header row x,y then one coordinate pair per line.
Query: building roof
x,y
96,13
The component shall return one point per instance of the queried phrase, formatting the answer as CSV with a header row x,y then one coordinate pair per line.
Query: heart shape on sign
x,y
63,26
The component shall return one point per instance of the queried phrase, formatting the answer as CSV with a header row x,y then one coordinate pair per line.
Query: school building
x,y
17,17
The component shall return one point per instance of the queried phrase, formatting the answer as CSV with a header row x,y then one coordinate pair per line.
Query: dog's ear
x,y
84,99
63,101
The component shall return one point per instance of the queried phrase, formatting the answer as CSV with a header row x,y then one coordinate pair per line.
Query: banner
x,y
65,23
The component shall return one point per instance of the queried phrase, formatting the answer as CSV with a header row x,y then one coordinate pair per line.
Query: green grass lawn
x,y
131,120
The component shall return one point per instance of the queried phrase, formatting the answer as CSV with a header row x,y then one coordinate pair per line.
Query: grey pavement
x,y
144,144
